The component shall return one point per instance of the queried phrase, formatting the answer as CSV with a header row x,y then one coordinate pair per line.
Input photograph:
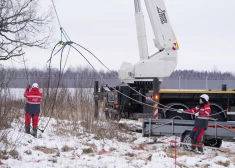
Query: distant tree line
x,y
201,75
86,72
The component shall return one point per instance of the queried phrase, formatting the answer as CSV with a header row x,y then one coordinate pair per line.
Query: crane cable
x,y
166,107
70,43
128,96
49,67
64,32
60,75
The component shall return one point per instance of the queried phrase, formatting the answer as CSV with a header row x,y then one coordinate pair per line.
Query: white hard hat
x,y
205,96
35,85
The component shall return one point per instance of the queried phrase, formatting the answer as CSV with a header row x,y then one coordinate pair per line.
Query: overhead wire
x,y
60,75
166,107
62,30
60,71
70,43
48,83
56,12
172,109
106,81
54,55
55,95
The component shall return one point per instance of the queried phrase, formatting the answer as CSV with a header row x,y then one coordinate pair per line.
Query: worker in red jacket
x,y
32,108
202,114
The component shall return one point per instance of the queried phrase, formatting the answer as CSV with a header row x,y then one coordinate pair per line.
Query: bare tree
x,y
22,24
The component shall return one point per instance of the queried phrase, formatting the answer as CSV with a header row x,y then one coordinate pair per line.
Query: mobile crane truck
x,y
139,95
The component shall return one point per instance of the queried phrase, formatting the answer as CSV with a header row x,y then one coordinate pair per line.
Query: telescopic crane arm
x,y
162,63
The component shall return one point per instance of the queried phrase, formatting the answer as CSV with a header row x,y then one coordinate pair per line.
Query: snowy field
x,y
61,149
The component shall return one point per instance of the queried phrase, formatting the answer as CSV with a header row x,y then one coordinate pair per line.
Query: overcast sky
x,y
205,30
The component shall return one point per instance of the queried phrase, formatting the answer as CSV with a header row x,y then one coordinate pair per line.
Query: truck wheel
x,y
108,114
169,114
107,117
187,141
215,108
177,118
214,142
118,117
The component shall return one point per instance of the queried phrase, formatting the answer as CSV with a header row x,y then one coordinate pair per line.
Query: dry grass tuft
x,y
206,166
225,164
28,152
66,148
129,154
3,155
58,153
88,150
46,150
181,165
170,152
92,146
233,160
52,160
215,154
14,153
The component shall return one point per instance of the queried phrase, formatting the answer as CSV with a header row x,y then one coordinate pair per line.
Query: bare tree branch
x,y
22,24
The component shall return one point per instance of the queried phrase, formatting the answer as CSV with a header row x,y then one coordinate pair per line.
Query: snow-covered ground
x,y
58,148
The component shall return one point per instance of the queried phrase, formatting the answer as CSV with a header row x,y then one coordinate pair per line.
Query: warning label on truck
x,y
162,15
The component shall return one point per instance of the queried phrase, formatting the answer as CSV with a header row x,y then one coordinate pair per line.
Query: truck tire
x,y
215,108
186,140
107,114
211,142
214,142
174,115
118,117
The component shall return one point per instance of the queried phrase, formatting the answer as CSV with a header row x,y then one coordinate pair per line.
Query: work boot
x,y
193,143
200,147
27,129
35,132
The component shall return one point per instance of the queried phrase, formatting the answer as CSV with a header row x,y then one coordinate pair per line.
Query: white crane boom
x,y
164,35
162,63
141,31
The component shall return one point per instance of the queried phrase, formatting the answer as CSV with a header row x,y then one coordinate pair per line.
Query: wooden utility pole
x,y
96,98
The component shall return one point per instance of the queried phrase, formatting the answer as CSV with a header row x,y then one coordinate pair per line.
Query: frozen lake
x,y
18,93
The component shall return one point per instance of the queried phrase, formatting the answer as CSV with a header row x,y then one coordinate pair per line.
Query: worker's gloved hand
x,y
28,87
180,110
197,114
